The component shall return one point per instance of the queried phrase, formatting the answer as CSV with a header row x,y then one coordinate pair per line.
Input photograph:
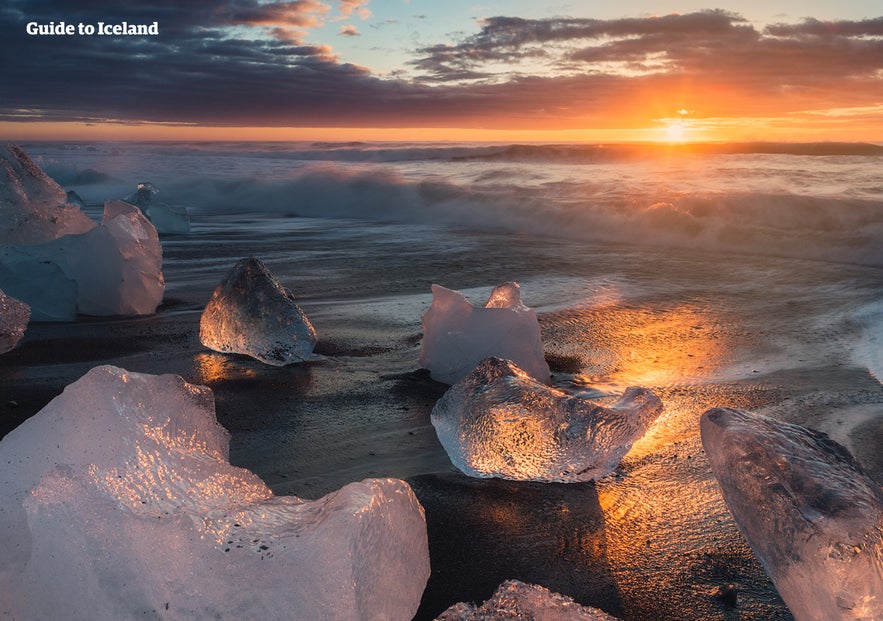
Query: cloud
x,y
245,62
359,7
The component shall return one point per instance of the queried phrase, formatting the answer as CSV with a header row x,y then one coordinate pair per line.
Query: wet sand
x,y
652,541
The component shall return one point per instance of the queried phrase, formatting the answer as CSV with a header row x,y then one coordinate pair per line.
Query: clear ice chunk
x,y
809,512
252,313
117,501
500,422
33,208
166,218
14,316
113,269
516,600
457,335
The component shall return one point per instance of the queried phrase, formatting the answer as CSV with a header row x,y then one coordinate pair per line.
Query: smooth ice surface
x,y
516,600
113,269
117,502
457,336
500,422
166,218
33,208
14,315
809,512
253,313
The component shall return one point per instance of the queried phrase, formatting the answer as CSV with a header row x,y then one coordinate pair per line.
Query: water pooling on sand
x,y
736,280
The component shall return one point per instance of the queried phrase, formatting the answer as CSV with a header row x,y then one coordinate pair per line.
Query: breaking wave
x,y
814,201
839,229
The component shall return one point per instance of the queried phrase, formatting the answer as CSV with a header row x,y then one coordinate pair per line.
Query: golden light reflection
x,y
212,367
651,346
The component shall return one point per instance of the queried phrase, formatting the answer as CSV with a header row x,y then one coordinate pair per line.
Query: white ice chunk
x,y
516,600
457,336
117,502
14,315
809,512
113,269
500,422
253,313
166,218
33,208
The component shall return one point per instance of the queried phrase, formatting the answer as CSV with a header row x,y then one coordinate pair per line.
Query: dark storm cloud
x,y
243,62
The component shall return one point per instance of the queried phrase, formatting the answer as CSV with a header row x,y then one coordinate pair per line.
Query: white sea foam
x,y
820,202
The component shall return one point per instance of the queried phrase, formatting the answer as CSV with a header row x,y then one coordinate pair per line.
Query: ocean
x,y
746,275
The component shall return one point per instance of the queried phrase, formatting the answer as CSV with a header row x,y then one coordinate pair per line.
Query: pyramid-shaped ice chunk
x,y
33,208
457,336
517,600
113,269
500,422
14,316
252,313
117,502
809,512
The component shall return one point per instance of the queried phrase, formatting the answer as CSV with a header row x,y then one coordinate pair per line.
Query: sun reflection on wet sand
x,y
645,346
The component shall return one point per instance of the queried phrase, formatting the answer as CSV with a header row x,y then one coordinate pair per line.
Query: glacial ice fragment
x,y
113,269
33,208
515,600
252,313
809,512
165,217
457,336
500,422
14,315
117,501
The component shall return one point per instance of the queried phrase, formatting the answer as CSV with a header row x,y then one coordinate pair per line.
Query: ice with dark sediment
x,y
33,208
75,199
457,335
113,269
252,313
14,316
500,422
166,218
515,600
809,512
117,501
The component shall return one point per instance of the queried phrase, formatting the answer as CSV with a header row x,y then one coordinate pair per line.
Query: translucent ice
x,y
253,313
113,269
515,600
811,515
33,208
457,336
500,422
165,217
75,199
117,502
14,316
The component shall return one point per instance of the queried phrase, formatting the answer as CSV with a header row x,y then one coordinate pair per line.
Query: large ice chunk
x,y
165,217
457,336
253,313
113,269
14,315
500,422
33,208
517,600
809,512
117,502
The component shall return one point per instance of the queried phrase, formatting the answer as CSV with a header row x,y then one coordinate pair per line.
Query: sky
x,y
451,70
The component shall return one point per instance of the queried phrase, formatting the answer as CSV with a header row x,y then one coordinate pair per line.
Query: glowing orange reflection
x,y
653,347
211,367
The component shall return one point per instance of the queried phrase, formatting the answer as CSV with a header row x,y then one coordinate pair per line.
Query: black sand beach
x,y
652,541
